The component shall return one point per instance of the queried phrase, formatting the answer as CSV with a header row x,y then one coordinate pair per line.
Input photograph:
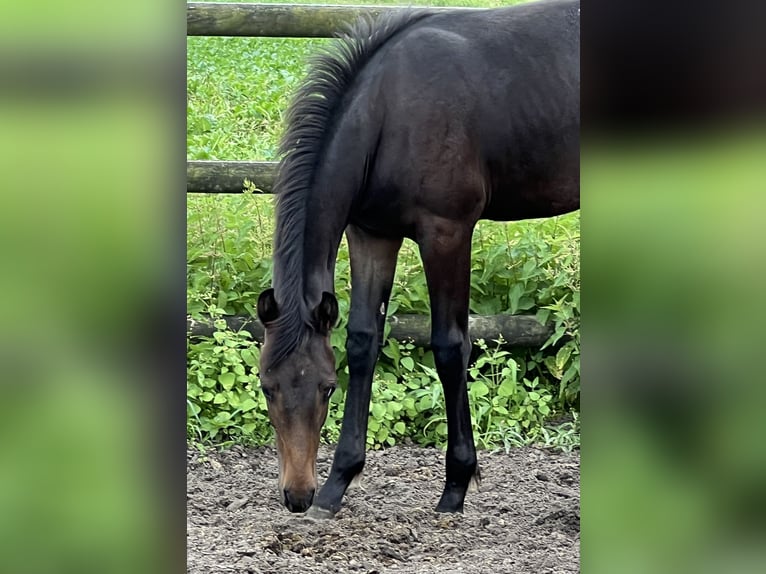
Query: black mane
x,y
309,118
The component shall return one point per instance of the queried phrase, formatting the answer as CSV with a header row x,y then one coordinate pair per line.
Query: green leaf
x,y
338,338
247,405
394,407
391,350
550,364
526,303
571,372
400,427
563,356
226,380
219,399
479,389
222,417
514,295
506,388
378,411
249,358
408,363
543,315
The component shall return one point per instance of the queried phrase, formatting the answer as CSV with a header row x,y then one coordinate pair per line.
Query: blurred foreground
x,y
92,412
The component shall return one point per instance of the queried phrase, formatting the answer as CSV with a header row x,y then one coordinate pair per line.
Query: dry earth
x,y
524,519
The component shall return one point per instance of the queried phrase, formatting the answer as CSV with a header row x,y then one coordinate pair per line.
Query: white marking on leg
x,y
475,483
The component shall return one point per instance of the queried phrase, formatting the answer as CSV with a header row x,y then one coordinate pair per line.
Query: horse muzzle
x,y
297,500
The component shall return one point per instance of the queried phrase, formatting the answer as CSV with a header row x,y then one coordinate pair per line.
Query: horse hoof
x,y
445,510
319,513
449,507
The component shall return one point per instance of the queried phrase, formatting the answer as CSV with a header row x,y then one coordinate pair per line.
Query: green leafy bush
x,y
222,396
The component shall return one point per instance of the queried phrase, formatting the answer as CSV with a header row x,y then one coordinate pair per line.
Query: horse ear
x,y
267,307
326,313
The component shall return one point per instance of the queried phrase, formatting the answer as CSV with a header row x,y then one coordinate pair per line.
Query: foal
x,y
417,126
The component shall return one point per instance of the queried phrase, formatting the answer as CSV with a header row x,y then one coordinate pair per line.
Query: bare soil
x,y
524,519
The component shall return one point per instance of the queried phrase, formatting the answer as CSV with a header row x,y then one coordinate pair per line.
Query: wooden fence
x,y
279,20
312,21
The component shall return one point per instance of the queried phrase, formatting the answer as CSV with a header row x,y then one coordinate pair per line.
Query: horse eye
x,y
328,392
267,393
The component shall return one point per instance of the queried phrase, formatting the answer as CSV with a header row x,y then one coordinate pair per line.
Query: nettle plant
x,y
536,268
224,402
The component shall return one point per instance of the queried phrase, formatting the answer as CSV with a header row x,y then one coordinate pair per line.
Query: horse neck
x,y
327,209
320,249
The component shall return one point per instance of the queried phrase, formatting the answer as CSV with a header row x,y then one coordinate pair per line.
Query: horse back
x,y
471,114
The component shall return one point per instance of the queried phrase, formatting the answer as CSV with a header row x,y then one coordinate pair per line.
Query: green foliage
x,y
222,397
508,406
228,243
238,90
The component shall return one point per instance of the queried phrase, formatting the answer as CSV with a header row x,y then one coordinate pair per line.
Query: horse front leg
x,y
447,262
373,264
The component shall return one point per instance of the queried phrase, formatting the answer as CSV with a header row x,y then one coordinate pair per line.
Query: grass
x,y
238,88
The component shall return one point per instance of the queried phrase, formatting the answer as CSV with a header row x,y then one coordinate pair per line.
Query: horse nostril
x,y
295,502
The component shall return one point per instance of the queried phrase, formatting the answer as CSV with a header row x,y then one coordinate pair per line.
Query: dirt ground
x,y
524,519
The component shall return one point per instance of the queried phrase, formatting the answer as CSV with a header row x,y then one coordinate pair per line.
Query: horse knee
x,y
361,345
451,354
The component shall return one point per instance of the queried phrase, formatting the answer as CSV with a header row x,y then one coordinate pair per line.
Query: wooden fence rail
x,y
278,20
517,330
229,176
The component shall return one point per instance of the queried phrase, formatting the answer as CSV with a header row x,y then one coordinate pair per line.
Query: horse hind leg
x,y
446,253
373,264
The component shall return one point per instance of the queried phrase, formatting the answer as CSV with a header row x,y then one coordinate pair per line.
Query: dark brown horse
x,y
417,125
